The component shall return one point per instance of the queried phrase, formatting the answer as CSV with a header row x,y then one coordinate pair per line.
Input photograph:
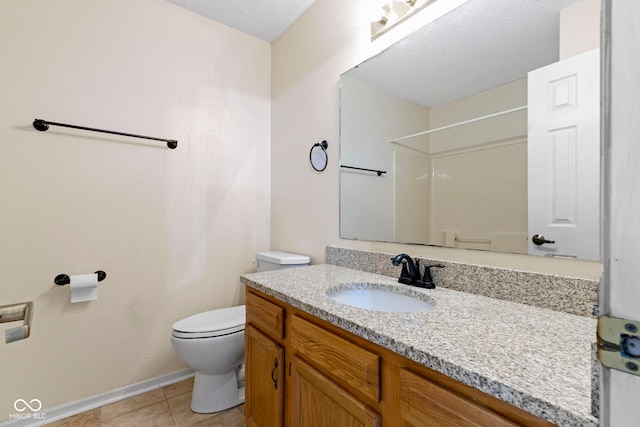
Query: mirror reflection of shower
x,y
462,122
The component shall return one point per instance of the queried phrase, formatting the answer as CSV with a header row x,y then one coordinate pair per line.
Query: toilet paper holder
x,y
64,279
14,313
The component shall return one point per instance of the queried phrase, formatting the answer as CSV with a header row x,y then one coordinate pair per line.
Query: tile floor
x,y
166,406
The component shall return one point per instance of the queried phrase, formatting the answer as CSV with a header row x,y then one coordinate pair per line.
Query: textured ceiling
x,y
478,46
265,19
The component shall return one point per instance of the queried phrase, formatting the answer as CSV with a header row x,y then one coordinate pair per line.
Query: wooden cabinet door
x,y
424,403
264,382
316,401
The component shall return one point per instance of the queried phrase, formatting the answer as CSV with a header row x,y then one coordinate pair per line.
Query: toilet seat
x,y
214,323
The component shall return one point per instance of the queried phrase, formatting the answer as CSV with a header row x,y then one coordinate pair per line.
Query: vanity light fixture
x,y
377,26
379,15
392,12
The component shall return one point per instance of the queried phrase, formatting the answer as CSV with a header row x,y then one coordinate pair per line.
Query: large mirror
x,y
480,131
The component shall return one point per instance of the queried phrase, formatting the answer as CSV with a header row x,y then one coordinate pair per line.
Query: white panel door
x,y
564,157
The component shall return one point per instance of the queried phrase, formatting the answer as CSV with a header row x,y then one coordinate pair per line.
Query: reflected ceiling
x,y
528,32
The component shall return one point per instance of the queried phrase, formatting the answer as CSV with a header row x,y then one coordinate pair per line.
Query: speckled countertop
x,y
533,358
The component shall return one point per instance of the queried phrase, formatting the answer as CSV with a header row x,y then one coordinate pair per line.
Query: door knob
x,y
539,239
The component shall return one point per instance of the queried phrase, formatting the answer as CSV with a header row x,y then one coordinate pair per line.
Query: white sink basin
x,y
380,300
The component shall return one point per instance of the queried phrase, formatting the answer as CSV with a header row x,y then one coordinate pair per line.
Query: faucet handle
x,y
434,265
427,272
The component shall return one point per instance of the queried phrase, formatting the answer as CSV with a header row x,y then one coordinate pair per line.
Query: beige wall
x,y
371,204
307,60
579,28
173,229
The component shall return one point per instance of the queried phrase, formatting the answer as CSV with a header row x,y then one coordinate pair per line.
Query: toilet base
x,y
215,393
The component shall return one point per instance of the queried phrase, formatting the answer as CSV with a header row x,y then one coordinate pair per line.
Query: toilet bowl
x,y
212,344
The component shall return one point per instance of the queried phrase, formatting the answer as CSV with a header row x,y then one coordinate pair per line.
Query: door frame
x,y
620,207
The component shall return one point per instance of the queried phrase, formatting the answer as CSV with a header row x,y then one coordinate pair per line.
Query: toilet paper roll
x,y
84,287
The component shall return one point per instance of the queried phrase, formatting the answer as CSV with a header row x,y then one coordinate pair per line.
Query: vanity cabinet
x,y
349,365
317,401
264,363
422,399
327,376
264,371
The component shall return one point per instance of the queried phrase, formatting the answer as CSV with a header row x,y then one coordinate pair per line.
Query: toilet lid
x,y
211,323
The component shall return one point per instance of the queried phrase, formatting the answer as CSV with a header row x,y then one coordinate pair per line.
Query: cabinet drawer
x,y
425,403
341,360
266,316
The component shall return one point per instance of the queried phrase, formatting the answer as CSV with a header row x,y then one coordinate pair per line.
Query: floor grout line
x,y
173,414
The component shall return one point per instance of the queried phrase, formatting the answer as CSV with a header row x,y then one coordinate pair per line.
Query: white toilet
x,y
212,344
275,260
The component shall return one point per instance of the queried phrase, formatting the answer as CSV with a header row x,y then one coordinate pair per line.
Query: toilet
x,y
276,260
212,344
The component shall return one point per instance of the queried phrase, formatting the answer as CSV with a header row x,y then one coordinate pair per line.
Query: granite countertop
x,y
534,358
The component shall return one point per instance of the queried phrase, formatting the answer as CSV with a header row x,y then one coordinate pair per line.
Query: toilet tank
x,y
275,260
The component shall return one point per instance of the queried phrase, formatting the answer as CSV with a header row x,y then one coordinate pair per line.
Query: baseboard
x,y
50,415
